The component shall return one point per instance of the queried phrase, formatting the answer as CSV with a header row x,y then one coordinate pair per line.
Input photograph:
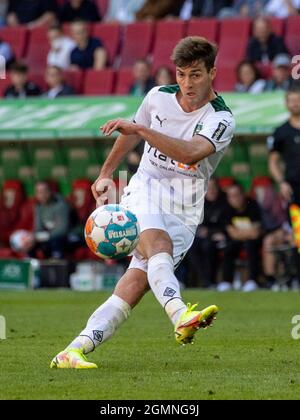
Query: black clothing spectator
x,y
30,11
264,44
29,89
21,87
243,226
89,52
80,9
204,255
84,58
209,8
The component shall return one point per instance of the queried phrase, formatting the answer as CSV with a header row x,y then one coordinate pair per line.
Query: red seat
x,y
225,80
203,27
109,34
17,38
277,25
234,34
99,82
137,42
82,199
124,81
74,79
292,35
38,49
167,34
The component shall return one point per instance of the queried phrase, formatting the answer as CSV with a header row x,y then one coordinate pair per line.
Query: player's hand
x,y
286,191
100,189
126,128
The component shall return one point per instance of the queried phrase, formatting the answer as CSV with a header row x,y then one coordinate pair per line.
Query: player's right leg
x,y
104,321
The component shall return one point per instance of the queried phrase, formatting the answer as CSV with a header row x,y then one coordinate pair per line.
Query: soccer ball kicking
x,y
112,232
187,128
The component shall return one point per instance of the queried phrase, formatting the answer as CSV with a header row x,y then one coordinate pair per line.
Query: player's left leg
x,y
104,321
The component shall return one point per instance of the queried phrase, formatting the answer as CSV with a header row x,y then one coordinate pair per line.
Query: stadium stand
x,y
292,35
124,81
167,34
137,42
99,82
38,48
208,28
17,38
109,33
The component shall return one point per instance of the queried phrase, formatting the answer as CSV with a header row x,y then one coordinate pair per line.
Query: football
x,y
19,239
111,231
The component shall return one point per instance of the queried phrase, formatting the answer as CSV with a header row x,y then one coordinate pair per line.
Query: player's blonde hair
x,y
192,49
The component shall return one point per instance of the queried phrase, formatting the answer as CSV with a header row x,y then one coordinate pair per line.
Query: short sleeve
x,y
142,115
275,142
218,129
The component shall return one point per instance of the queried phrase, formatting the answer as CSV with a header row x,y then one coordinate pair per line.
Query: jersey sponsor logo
x,y
165,158
219,131
160,120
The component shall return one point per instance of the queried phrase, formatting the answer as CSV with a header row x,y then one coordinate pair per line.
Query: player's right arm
x,y
123,145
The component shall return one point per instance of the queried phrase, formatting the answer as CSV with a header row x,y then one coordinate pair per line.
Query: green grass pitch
x,y
248,354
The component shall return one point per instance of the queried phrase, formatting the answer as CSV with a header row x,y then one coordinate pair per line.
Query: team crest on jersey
x,y
198,128
98,335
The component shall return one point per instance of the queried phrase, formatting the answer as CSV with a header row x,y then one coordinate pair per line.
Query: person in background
x,y
85,10
57,87
123,11
155,10
89,52
32,13
164,76
210,8
248,78
143,81
284,147
244,229
282,8
21,87
3,12
264,45
204,255
51,222
61,47
281,74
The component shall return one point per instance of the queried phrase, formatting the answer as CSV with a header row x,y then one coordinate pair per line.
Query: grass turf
x,y
248,354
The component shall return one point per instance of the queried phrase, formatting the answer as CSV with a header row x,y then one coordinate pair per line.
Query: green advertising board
x,y
16,274
81,117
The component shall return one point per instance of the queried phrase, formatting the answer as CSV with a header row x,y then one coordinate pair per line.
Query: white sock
x,y
102,324
165,285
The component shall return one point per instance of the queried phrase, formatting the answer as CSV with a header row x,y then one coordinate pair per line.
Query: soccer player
x,y
187,128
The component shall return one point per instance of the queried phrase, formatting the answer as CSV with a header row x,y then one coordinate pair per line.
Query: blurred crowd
x,y
266,66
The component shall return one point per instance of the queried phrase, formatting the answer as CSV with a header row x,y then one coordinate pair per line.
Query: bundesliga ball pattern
x,y
111,231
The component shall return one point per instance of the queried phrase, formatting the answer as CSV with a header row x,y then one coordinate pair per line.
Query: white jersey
x,y
161,112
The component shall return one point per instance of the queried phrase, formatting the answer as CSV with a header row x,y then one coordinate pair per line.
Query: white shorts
x,y
135,199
